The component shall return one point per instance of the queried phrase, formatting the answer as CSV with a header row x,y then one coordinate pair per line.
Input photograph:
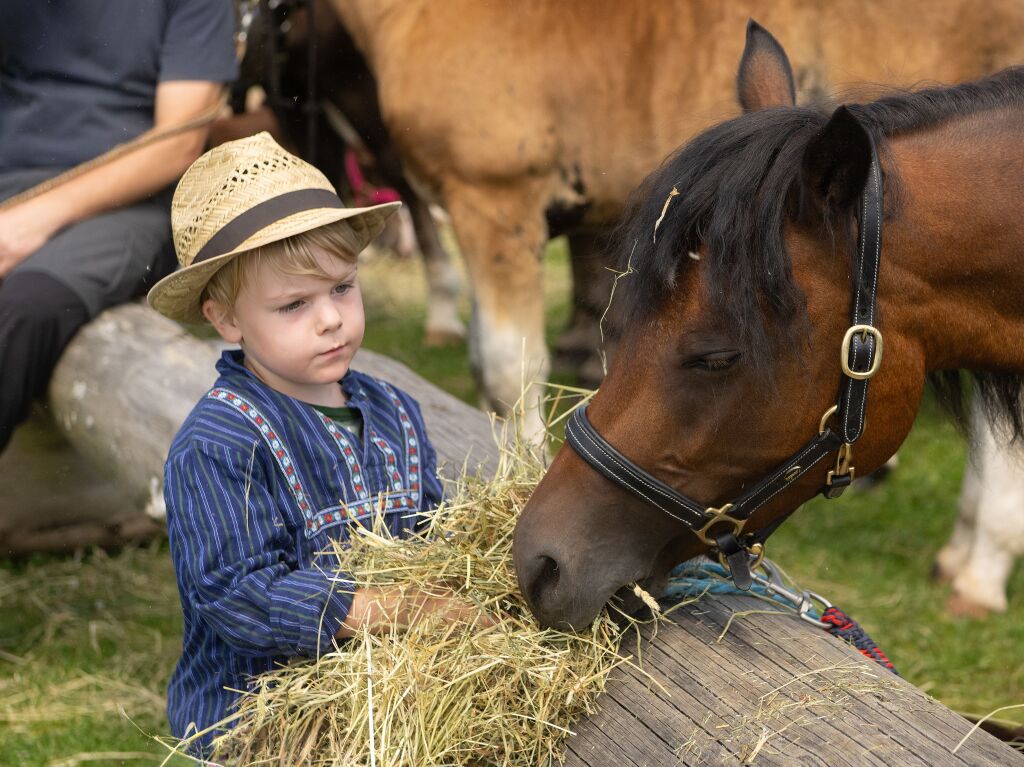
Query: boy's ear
x,y
223,321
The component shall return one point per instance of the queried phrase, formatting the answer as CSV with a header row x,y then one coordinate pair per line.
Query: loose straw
x,y
439,693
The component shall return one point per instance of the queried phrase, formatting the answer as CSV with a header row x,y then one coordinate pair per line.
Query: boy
x,y
291,444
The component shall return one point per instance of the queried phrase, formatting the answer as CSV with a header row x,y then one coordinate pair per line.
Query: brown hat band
x,y
261,215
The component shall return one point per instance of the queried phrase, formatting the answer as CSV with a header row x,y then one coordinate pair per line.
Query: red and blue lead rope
x,y
701,576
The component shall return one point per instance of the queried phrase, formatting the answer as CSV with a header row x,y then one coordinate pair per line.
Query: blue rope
x,y
702,576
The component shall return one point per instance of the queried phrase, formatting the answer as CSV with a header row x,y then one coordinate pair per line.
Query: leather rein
x,y
722,527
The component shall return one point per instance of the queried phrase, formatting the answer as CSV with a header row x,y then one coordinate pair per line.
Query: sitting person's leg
x,y
110,258
82,270
38,316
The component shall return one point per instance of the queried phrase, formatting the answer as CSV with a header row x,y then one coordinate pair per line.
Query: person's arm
x,y
236,556
236,126
381,609
26,227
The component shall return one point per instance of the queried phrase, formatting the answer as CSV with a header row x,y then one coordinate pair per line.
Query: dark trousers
x,y
83,269
38,317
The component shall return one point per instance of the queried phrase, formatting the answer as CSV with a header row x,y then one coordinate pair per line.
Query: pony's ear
x,y
765,78
836,162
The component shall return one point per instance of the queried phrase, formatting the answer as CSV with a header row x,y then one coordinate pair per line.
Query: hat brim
x,y
177,295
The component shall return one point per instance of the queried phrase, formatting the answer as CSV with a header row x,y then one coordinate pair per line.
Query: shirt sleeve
x,y
199,42
236,559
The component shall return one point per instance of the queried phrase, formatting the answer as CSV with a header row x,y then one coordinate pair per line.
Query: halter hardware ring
x,y
802,601
824,419
844,355
719,515
756,550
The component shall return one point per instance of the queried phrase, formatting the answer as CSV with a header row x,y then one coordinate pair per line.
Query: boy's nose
x,y
328,317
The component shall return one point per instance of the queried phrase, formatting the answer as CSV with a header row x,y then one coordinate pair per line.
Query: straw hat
x,y
242,195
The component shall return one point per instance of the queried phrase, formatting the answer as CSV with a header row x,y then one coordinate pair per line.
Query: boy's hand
x,y
383,609
451,609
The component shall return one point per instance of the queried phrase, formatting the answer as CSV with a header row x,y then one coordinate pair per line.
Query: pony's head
x,y
735,300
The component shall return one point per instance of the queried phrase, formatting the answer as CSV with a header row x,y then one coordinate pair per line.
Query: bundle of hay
x,y
438,694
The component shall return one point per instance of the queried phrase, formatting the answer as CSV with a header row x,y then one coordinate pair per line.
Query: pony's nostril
x,y
546,578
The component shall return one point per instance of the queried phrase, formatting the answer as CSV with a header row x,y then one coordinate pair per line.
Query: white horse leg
x,y
996,526
980,587
443,324
502,234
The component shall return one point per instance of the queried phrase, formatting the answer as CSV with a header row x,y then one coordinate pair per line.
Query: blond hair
x,y
293,255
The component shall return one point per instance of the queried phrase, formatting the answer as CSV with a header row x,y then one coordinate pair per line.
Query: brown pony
x,y
534,118
735,315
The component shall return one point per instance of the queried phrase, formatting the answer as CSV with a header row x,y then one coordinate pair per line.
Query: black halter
x,y
722,527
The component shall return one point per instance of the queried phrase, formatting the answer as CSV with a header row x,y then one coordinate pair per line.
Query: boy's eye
x,y
343,288
290,307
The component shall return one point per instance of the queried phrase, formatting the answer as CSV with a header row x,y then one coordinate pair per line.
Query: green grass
x,y
82,639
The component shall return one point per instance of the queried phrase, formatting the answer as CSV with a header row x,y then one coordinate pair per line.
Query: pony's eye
x,y
714,362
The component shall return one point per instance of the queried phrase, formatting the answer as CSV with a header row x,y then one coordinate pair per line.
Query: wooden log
x,y
121,390
53,499
770,690
767,690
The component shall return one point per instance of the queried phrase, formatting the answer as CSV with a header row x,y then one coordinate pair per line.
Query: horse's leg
x,y
443,282
980,588
581,338
953,556
408,243
502,232
580,347
997,534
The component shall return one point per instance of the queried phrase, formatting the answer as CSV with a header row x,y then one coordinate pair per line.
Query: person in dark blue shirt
x,y
291,445
77,79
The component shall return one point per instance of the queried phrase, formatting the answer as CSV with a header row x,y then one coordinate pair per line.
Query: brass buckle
x,y
843,467
719,515
844,355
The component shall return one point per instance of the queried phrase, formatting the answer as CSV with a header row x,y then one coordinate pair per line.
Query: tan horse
x,y
528,118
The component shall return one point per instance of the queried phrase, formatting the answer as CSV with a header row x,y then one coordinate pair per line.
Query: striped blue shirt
x,y
257,484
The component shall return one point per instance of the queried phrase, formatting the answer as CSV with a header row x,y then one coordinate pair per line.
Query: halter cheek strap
x,y
722,528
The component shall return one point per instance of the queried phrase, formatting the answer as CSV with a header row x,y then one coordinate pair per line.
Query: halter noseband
x,y
860,355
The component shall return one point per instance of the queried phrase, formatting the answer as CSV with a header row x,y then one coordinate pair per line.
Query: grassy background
x,y
87,643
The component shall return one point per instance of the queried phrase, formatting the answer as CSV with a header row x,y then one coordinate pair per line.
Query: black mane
x,y
736,183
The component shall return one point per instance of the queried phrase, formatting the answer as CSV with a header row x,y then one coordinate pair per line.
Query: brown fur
x,y
505,111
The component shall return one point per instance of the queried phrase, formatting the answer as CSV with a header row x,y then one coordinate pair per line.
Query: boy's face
x,y
299,333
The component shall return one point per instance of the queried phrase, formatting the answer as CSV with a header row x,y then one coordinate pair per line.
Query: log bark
x,y
53,499
767,689
121,390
